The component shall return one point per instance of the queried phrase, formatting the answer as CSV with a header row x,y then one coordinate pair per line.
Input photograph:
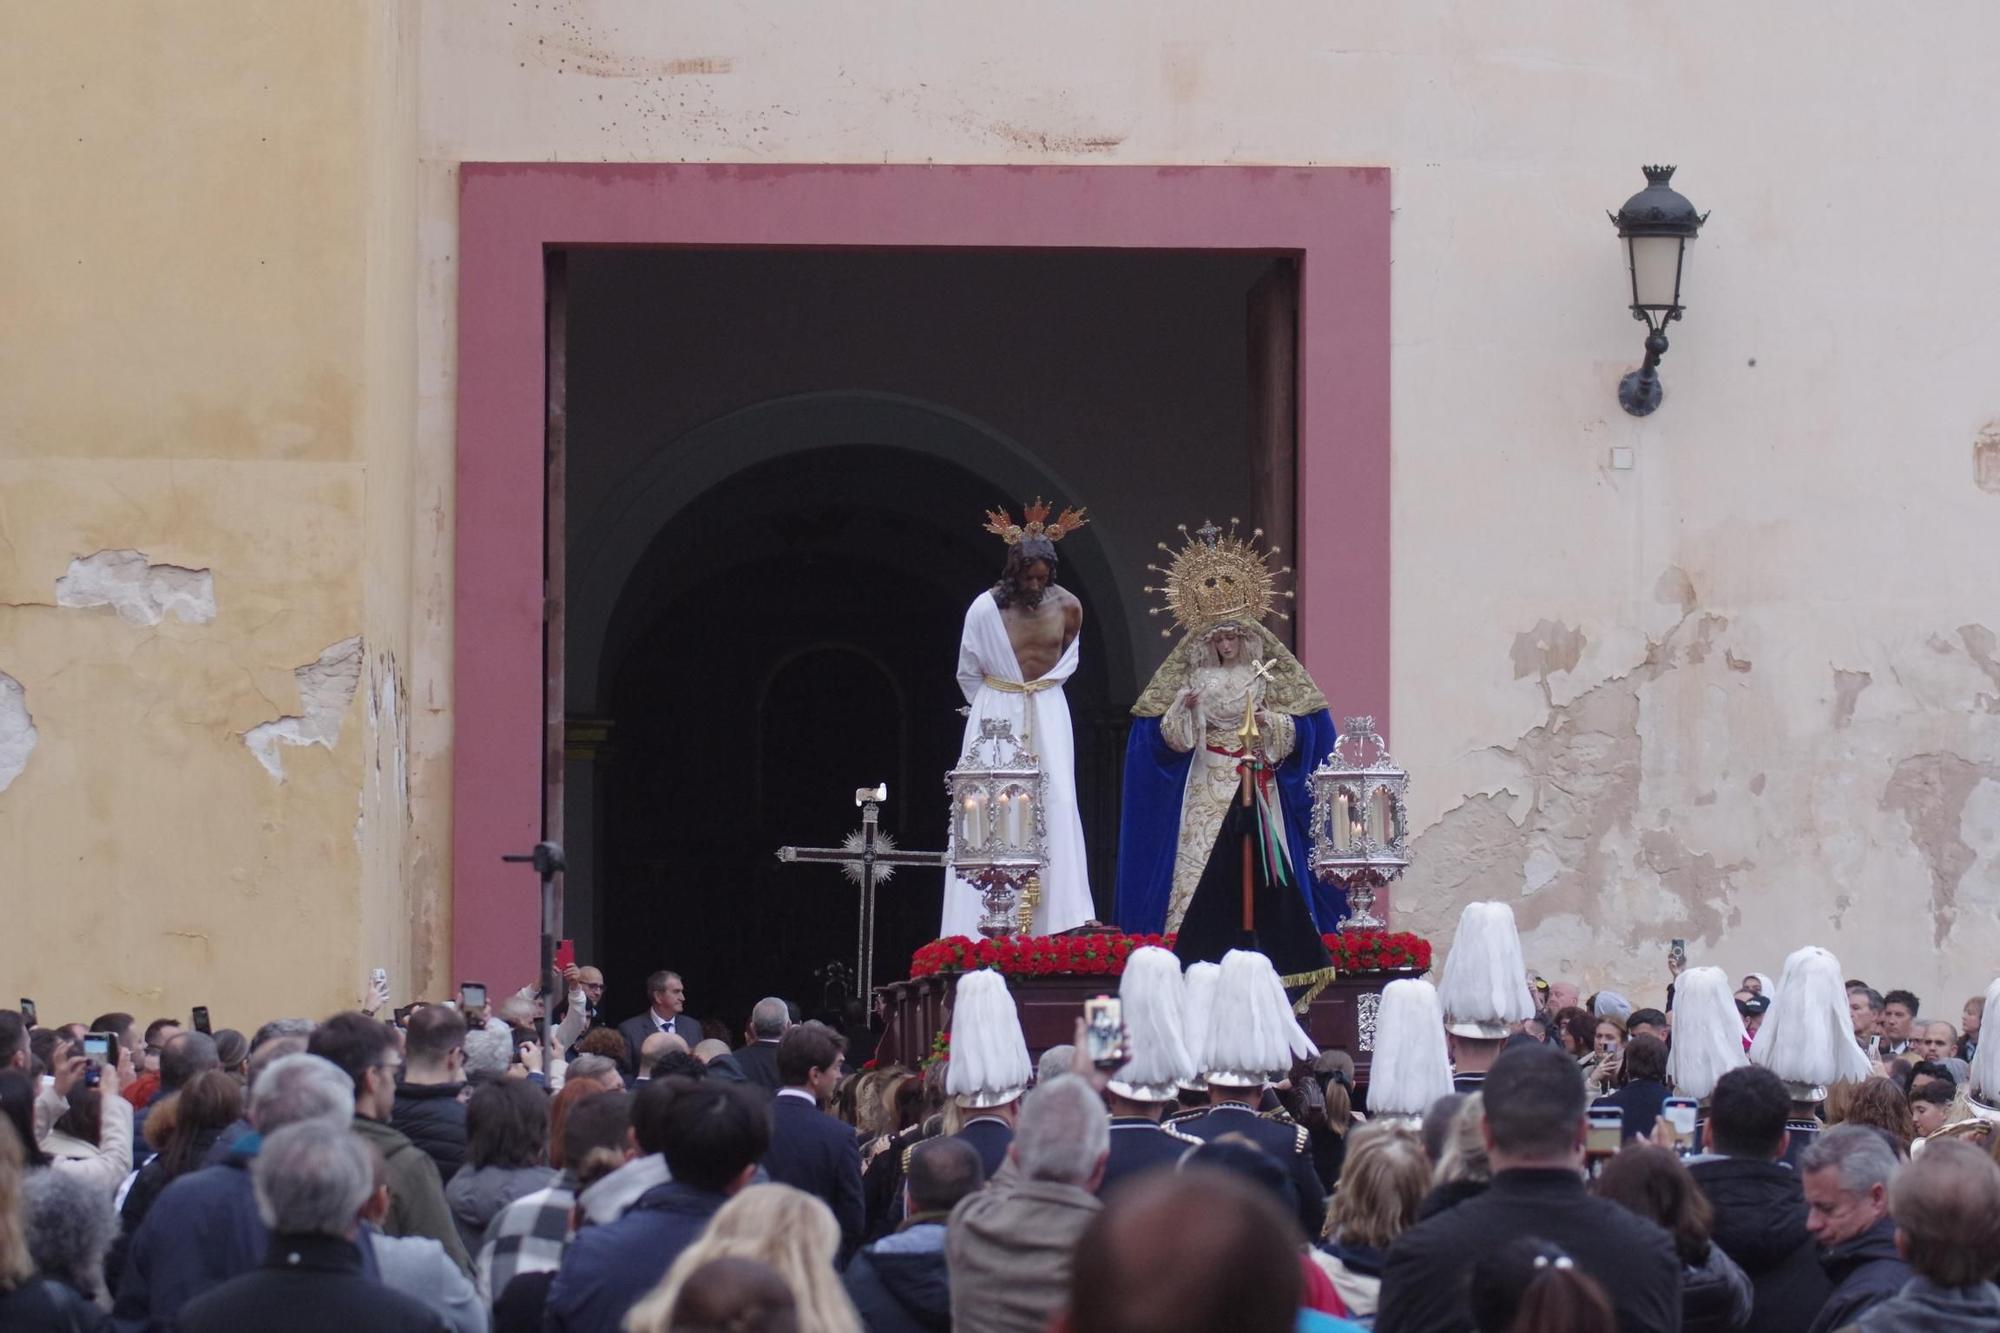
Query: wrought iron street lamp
x,y
1656,224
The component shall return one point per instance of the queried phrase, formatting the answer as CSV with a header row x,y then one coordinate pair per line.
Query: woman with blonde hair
x,y
786,1228
1381,1186
1463,1169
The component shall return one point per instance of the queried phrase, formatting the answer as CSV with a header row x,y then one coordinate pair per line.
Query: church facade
x,y
358,344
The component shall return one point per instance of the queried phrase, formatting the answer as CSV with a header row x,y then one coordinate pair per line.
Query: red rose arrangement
x,y
1105,955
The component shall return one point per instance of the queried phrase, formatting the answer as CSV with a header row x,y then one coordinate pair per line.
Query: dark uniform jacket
x,y
1424,1281
1138,1144
1289,1143
308,1284
992,1136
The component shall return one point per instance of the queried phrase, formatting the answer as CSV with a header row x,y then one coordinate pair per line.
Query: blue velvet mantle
x,y
1149,826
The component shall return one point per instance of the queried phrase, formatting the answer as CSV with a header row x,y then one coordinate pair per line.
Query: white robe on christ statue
x,y
1043,716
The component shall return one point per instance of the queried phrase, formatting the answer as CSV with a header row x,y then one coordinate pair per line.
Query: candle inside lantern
x,y
1378,818
972,825
1343,821
1026,811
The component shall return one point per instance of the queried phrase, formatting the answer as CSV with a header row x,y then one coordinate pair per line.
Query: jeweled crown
x,y
1034,522
1218,576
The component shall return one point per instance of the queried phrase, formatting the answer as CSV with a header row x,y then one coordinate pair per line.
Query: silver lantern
x,y
1360,826
999,834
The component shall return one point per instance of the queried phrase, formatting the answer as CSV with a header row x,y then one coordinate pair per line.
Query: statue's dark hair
x,y
1019,556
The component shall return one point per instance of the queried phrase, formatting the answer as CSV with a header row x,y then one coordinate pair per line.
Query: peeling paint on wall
x,y
326,687
1931,791
1979,644
1566,851
1847,687
141,593
1986,459
17,730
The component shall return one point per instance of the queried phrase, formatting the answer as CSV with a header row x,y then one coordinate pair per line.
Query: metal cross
x,y
869,857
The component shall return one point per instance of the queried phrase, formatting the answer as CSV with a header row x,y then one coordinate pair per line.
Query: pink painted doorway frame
x,y
1335,219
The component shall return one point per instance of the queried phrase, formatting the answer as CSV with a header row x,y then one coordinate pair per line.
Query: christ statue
x,y
1018,647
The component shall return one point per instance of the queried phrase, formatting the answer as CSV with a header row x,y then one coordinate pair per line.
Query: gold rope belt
x,y
1031,689
1017,687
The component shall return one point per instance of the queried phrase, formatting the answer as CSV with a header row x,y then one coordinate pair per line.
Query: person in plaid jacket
x,y
530,1234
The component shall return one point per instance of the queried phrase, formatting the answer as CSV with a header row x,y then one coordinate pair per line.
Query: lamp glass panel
x,y
1656,262
1381,818
1015,819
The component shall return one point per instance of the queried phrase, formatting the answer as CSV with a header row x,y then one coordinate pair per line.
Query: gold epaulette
x,y
1279,1114
922,1132
1179,1137
1304,1144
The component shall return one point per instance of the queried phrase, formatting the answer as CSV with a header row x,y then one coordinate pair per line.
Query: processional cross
x,y
869,857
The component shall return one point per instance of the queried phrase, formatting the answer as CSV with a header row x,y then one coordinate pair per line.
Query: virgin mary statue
x,y
1214,842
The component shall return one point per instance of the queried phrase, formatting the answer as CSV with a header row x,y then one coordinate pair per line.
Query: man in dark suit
x,y
757,1057
1534,1137
811,1150
311,1180
669,998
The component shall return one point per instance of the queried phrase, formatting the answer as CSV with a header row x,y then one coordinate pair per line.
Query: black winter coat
x,y
1866,1271
42,1305
432,1117
308,1284
1716,1295
1760,1222
1424,1280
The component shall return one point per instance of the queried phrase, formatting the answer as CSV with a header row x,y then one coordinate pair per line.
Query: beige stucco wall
x,y
1765,711
207,266
1744,692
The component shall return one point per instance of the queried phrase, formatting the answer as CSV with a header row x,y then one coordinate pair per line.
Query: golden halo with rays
x,y
1218,576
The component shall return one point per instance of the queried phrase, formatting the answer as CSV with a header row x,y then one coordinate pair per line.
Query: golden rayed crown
x,y
1218,576
1034,523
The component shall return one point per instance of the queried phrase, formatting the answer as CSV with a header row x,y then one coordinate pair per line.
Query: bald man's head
x,y
1191,1250
657,1048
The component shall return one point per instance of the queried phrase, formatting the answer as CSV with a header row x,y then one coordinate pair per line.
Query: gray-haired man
x,y
758,1056
310,1182
204,1228
1846,1173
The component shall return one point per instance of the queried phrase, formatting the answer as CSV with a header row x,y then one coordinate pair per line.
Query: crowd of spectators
x,y
433,1171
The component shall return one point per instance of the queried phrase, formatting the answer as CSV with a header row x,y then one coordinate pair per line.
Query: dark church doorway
x,y
805,444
